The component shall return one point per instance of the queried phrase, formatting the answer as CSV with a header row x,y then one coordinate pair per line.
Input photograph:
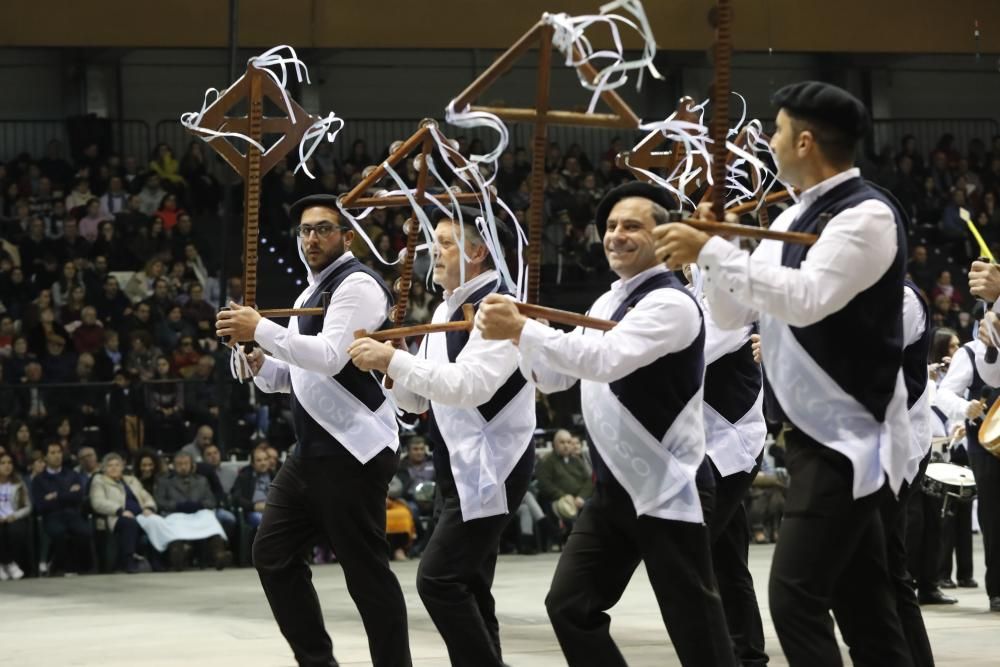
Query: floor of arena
x,y
222,619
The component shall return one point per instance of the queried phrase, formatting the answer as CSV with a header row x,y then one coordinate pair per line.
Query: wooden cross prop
x,y
254,86
542,116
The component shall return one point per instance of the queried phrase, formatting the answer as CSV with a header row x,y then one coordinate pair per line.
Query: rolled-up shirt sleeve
x,y
950,394
855,249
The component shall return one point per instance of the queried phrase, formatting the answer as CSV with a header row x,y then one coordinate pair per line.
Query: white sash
x,y
815,403
341,414
659,475
482,453
735,447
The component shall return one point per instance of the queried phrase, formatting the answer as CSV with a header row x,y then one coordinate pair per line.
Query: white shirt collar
x,y
318,278
809,197
626,286
455,299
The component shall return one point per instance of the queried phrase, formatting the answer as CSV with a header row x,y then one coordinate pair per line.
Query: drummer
x,y
967,391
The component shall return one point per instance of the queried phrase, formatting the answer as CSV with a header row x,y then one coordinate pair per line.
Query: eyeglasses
x,y
322,230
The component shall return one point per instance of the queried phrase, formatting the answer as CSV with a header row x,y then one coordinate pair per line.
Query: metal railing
x,y
125,137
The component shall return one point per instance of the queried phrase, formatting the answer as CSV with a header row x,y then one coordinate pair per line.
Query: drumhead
x,y
951,474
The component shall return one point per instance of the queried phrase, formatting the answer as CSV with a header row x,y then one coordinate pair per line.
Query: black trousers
x,y
606,545
338,501
729,532
70,534
986,468
127,532
14,542
456,574
923,535
831,555
893,513
956,531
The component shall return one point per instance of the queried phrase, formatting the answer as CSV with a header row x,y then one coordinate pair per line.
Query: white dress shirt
x,y
951,396
481,368
359,303
914,320
663,322
856,248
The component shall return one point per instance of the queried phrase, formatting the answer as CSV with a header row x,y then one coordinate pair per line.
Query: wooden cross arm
x,y
566,317
298,312
731,229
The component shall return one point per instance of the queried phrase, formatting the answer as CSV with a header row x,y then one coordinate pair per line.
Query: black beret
x,y
826,104
327,201
641,189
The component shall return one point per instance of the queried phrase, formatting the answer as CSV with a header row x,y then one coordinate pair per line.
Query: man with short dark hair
x,y
187,492
831,326
250,487
57,496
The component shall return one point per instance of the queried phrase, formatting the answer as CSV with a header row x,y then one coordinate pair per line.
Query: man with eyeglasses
x,y
337,481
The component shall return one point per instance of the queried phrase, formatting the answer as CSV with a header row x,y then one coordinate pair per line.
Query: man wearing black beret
x,y
832,341
641,387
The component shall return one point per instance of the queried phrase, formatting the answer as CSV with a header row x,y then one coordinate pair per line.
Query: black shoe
x,y
947,583
935,597
968,583
176,555
995,604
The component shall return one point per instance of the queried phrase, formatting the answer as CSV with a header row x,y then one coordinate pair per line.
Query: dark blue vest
x,y
456,341
860,346
978,390
656,393
313,439
915,355
732,383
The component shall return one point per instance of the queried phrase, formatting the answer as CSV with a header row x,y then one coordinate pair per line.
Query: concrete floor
x,y
221,619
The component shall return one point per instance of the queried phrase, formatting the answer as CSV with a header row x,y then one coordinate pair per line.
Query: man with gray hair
x,y
188,492
203,437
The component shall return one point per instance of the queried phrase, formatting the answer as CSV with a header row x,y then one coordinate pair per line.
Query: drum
x,y
950,482
989,432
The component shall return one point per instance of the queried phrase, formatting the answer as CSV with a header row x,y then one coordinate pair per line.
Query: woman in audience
x,y
140,286
165,407
169,211
72,309
118,499
15,511
21,445
147,470
62,288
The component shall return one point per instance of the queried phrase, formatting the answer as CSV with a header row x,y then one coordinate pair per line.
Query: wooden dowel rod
x,y
415,140
564,317
730,229
291,312
575,118
421,329
772,198
401,200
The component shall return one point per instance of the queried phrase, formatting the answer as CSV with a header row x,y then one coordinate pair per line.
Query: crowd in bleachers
x,y
109,284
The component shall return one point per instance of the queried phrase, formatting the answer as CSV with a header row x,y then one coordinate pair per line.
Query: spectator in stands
x,y
90,223
251,485
203,402
10,404
160,300
70,279
15,513
151,195
944,286
141,320
78,198
140,286
108,359
186,357
58,364
20,444
187,492
72,310
112,304
165,407
274,461
146,468
36,397
564,483
87,466
131,174
115,200
173,328
118,499
34,247
46,328
112,246
204,189
168,211
57,495
94,275
88,333
165,165
71,246
220,477
199,312
203,437
919,269
141,358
